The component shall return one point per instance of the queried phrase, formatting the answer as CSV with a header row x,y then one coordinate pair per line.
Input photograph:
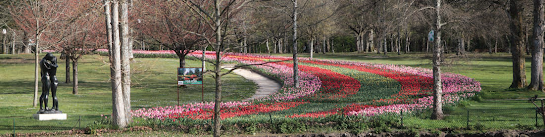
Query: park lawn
x,y
496,107
153,84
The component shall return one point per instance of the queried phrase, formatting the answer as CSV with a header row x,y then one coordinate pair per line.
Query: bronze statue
x,y
48,66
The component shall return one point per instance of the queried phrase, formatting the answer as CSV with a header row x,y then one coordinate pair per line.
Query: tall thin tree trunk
x,y
427,45
75,76
36,66
295,64
204,58
526,43
489,47
385,46
392,43
13,43
268,48
398,43
118,115
496,47
109,29
131,44
367,43
379,46
311,48
437,83
407,42
245,44
536,82
4,47
333,46
358,42
126,60
324,46
275,46
371,39
219,48
517,47
67,68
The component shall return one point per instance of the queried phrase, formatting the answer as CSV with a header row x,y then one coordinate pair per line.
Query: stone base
x,y
41,117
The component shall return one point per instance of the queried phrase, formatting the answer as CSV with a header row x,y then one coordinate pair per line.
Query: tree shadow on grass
x,y
16,87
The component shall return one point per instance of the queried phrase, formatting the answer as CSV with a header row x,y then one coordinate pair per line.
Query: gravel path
x,y
265,85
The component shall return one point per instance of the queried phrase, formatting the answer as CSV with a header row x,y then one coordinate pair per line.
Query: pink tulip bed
x,y
328,90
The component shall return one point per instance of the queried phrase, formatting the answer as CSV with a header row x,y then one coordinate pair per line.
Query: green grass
x,y
153,84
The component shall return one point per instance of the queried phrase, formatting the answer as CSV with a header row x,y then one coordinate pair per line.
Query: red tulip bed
x,y
327,88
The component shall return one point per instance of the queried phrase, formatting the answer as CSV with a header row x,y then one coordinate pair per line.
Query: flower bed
x,y
319,84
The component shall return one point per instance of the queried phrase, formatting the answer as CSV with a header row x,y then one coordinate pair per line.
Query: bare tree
x,y
514,11
116,30
295,61
216,14
538,45
77,34
36,18
437,84
126,55
170,23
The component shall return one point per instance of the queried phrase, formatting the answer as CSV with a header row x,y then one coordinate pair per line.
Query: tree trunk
x,y
131,45
204,58
367,43
461,46
4,50
358,42
275,46
328,42
379,46
385,46
295,65
311,48
36,66
333,46
437,83
268,48
407,42
324,46
525,41
496,47
118,115
13,43
362,41
427,45
398,43
489,47
371,39
75,76
517,47
67,68
536,82
182,59
125,60
245,45
219,48
109,29
392,43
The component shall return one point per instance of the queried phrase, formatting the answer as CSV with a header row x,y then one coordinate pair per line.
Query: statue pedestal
x,y
50,115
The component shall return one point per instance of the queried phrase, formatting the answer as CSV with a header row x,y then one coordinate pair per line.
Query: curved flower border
x,y
455,88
